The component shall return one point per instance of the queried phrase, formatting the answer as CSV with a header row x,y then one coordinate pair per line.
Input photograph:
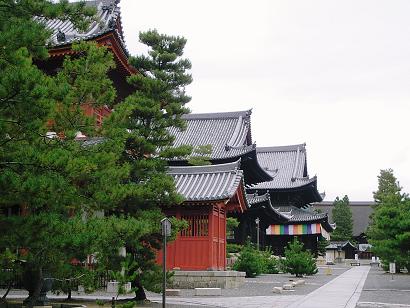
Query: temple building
x,y
278,188
210,192
290,184
106,31
291,193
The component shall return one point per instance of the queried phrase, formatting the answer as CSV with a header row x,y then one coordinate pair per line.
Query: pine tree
x,y
342,216
249,261
201,155
47,175
142,122
54,177
389,231
298,261
321,246
388,187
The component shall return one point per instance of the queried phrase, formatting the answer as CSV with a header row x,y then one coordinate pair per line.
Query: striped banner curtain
x,y
294,229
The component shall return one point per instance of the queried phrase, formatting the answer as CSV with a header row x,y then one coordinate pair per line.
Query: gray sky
x,y
333,74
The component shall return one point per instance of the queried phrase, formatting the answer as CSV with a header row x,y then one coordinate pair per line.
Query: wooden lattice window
x,y
197,225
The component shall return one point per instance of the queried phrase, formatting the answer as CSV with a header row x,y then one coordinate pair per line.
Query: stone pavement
x,y
343,288
343,291
255,292
384,290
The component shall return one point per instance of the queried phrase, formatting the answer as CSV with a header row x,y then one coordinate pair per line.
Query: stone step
x,y
288,286
172,292
277,290
208,291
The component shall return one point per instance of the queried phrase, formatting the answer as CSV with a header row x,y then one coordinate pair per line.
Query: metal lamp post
x,y
166,231
339,250
257,220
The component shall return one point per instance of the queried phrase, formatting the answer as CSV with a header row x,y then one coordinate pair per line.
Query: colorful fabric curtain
x,y
294,229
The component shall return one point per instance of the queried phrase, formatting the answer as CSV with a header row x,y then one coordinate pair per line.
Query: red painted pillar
x,y
210,234
224,239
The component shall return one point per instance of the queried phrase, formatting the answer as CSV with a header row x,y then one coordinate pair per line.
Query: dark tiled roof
x,y
361,212
108,14
257,201
365,247
229,133
343,244
287,166
93,141
207,183
295,214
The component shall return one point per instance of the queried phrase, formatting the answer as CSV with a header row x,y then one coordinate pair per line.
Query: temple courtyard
x,y
334,286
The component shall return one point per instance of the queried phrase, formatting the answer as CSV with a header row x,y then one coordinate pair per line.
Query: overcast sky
x,y
333,74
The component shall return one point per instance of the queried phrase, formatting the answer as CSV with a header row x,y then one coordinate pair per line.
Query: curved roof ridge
x,y
295,165
207,183
217,115
282,148
300,215
227,167
298,183
246,148
255,198
235,135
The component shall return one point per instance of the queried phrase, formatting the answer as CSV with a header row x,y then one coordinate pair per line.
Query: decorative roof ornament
x,y
60,36
112,23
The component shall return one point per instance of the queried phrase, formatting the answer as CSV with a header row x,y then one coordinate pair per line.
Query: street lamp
x,y
165,231
257,220
339,249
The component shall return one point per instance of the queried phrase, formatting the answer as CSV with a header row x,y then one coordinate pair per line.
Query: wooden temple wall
x,y
99,113
202,246
278,242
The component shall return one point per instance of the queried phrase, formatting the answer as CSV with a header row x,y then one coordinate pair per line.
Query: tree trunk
x,y
139,291
35,294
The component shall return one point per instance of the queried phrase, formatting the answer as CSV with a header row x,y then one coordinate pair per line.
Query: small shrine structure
x,y
210,193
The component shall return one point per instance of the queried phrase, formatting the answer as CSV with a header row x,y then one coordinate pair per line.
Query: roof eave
x,y
109,39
